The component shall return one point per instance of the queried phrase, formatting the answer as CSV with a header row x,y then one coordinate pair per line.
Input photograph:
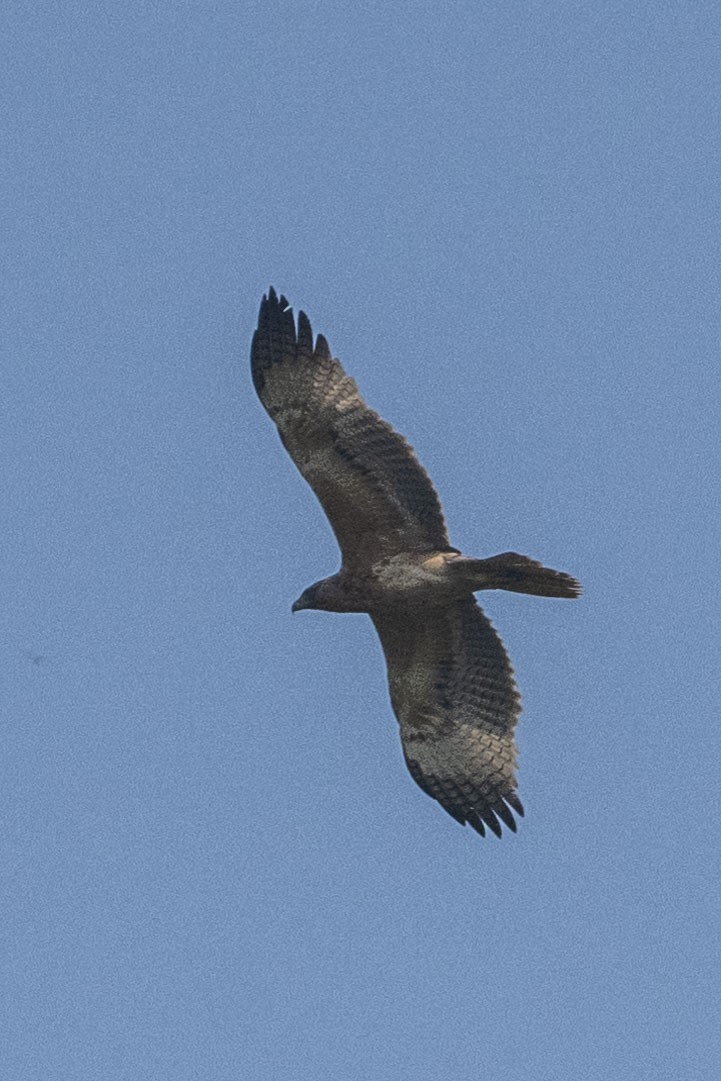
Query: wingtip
x,y
322,349
488,818
305,334
274,339
271,299
492,822
504,813
476,823
276,311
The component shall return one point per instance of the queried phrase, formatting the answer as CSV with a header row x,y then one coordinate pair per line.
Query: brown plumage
x,y
451,683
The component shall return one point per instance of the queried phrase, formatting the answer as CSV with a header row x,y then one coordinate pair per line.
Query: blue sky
x,y
505,218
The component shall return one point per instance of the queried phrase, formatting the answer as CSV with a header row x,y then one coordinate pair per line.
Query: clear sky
x,y
505,218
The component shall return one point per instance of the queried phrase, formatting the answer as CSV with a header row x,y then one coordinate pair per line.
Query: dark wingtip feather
x,y
506,816
322,349
488,818
477,824
305,334
492,822
455,812
272,301
286,321
274,339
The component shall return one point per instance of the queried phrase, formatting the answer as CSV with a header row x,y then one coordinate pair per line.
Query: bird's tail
x,y
516,573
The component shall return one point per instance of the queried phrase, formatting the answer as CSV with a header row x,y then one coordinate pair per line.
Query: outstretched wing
x,y
377,496
452,690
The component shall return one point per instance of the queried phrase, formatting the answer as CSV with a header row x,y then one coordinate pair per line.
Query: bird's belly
x,y
413,580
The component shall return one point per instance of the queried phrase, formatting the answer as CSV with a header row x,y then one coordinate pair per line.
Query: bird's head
x,y
327,595
307,599
314,597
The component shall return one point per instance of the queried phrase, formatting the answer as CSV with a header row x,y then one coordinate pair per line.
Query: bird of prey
x,y
451,683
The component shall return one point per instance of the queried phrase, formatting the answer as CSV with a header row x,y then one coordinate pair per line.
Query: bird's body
x,y
451,683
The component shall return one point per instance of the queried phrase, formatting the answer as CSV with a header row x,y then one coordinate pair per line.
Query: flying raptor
x,y
451,683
